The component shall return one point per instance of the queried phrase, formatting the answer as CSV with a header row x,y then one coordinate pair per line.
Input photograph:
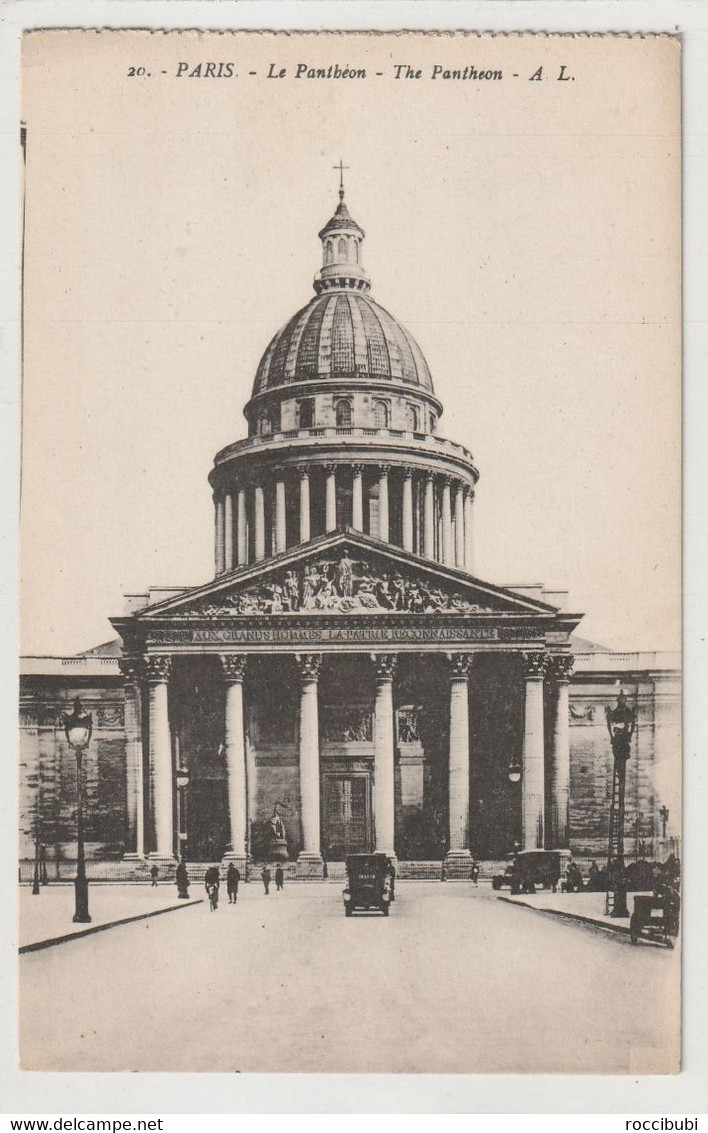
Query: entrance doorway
x,y
347,815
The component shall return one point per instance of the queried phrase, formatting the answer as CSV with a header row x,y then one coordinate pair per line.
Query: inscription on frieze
x,y
298,635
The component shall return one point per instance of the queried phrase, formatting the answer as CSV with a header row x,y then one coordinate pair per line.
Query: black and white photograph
x,y
350,677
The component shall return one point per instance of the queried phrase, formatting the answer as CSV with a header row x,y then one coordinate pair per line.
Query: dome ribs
x,y
309,352
379,358
342,340
361,361
300,321
342,335
324,351
280,350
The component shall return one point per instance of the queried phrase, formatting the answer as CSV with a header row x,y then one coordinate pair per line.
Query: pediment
x,y
345,573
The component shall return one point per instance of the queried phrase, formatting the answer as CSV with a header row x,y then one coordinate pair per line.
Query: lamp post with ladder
x,y
621,723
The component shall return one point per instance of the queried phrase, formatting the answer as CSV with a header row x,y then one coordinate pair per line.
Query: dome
x,y
342,335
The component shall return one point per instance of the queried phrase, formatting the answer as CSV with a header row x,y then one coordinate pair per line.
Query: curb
x,y
579,918
38,945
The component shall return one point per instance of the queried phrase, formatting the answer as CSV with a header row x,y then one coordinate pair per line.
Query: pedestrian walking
x,y
279,877
265,875
233,877
211,884
154,874
474,872
182,880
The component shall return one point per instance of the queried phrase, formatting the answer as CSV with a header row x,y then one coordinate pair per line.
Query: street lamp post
x,y
35,879
621,722
78,728
514,772
182,781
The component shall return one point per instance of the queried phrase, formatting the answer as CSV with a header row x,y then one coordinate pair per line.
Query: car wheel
x,y
385,909
348,910
633,934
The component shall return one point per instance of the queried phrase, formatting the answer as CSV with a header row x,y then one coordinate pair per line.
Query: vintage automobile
x,y
370,883
656,916
529,869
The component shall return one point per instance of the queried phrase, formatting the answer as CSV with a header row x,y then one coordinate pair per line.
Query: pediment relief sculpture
x,y
343,585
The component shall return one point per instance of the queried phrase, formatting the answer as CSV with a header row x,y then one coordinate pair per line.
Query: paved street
x,y
453,980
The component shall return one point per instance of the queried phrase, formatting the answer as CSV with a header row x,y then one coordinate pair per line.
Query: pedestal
x,y
458,865
309,867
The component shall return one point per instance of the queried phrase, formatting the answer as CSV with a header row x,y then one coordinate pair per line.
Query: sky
x,y
527,236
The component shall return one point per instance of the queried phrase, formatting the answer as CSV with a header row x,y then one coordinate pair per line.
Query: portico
x,y
349,686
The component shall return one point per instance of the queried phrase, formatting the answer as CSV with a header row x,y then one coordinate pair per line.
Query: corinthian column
x,y
218,534
384,795
259,522
331,498
357,497
459,526
241,529
280,537
533,774
304,505
448,556
458,857
234,669
469,543
130,667
228,531
309,862
407,509
429,517
161,774
383,503
561,668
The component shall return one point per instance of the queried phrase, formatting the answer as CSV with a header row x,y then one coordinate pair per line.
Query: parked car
x,y
529,869
370,883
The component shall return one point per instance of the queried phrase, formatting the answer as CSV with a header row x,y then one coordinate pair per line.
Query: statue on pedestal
x,y
278,845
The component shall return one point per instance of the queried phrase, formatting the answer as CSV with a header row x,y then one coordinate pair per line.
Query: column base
x,y
309,866
239,860
457,865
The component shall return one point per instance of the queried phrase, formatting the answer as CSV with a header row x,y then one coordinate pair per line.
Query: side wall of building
x,y
47,792
654,769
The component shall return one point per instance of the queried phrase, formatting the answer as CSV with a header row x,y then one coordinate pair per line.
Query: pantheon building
x,y
344,681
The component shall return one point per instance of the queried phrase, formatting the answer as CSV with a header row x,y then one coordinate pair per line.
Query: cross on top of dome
x,y
341,167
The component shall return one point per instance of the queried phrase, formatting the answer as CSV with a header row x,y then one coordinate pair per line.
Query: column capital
x,y
535,664
385,665
446,480
330,468
407,472
304,471
469,492
460,665
158,667
561,666
233,666
131,669
309,665
429,476
358,469
383,469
